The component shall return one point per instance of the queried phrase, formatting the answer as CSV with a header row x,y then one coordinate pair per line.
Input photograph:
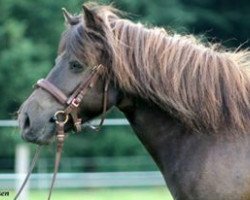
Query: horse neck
x,y
190,161
155,128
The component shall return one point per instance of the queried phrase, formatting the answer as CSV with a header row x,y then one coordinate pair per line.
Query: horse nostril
x,y
26,124
52,119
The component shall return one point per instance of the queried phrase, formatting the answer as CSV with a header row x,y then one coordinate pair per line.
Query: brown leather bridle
x,y
61,117
72,103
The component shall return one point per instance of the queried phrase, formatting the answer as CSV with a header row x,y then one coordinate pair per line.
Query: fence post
x,y
21,168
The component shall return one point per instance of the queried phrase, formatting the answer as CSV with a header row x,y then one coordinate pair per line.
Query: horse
x,y
187,101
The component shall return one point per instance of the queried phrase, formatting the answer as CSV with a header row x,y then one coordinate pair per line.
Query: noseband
x,y
61,117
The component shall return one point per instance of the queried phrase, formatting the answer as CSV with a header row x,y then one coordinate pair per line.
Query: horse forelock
x,y
204,87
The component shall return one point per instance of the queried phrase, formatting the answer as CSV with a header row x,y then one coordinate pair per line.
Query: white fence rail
x,y
107,122
87,180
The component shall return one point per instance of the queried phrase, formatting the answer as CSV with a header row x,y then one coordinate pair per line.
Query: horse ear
x,y
69,19
92,20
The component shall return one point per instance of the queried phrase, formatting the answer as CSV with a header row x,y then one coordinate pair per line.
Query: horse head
x,y
81,51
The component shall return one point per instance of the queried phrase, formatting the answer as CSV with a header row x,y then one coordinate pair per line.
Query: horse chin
x,y
42,137
45,139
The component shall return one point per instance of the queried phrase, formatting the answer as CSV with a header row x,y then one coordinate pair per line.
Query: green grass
x,y
145,193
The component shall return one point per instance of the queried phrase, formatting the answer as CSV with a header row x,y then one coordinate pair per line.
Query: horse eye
x,y
75,66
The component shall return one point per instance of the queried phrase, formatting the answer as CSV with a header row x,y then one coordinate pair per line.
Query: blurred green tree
x,y
30,31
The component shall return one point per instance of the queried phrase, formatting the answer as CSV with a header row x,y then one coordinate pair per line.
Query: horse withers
x,y
187,102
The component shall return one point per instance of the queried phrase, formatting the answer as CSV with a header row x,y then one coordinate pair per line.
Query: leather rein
x,y
61,117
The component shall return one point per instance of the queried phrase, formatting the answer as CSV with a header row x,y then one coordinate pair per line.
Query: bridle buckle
x,y
75,102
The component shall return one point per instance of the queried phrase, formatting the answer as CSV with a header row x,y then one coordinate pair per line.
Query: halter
x,y
61,117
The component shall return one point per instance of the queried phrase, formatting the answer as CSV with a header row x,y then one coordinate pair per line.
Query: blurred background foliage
x,y
30,32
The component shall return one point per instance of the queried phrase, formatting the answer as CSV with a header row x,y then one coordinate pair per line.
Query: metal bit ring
x,y
63,119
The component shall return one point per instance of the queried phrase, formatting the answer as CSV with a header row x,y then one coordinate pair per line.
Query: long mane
x,y
204,87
